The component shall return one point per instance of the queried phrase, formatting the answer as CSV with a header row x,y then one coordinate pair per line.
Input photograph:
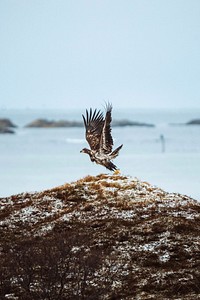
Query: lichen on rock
x,y
101,237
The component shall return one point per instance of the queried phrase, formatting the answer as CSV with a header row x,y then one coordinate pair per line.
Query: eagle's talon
x,y
117,172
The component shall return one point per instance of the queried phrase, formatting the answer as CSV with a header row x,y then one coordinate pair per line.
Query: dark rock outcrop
x,y
6,130
103,237
6,125
43,123
123,123
194,122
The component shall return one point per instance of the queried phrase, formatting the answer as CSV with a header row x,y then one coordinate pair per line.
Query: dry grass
x,y
118,238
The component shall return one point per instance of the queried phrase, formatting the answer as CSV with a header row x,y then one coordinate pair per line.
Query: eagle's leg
x,y
116,172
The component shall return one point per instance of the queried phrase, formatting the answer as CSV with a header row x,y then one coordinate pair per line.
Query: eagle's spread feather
x,y
106,141
93,125
98,136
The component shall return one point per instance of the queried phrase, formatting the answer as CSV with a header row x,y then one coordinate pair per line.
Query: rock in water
x,y
194,122
6,125
43,123
103,237
6,130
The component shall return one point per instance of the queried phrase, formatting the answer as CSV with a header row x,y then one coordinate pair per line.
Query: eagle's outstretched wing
x,y
106,141
94,123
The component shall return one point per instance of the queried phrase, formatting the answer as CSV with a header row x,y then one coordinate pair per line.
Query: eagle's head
x,y
85,150
89,152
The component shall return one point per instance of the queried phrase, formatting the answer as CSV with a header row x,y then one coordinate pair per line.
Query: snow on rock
x,y
114,235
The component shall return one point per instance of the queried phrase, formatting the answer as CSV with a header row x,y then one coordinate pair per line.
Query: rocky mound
x,y
103,237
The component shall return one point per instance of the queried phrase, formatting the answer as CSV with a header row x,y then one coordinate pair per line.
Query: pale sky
x,y
79,53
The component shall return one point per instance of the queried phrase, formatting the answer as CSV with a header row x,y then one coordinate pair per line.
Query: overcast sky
x,y
80,53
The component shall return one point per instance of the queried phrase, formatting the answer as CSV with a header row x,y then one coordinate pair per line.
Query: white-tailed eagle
x,y
98,136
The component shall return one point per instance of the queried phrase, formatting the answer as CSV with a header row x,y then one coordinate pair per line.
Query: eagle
x,y
98,136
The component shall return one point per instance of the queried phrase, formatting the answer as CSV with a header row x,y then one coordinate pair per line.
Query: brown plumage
x,y
98,136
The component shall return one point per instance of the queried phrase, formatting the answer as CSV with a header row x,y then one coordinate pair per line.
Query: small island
x,y
194,122
44,123
6,126
122,123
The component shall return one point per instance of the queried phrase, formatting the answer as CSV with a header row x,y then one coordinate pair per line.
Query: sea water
x,y
167,155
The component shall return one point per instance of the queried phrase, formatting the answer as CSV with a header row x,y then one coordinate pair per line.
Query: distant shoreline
x,y
7,126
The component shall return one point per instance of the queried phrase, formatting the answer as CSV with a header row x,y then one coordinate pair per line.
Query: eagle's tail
x,y
110,166
115,152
